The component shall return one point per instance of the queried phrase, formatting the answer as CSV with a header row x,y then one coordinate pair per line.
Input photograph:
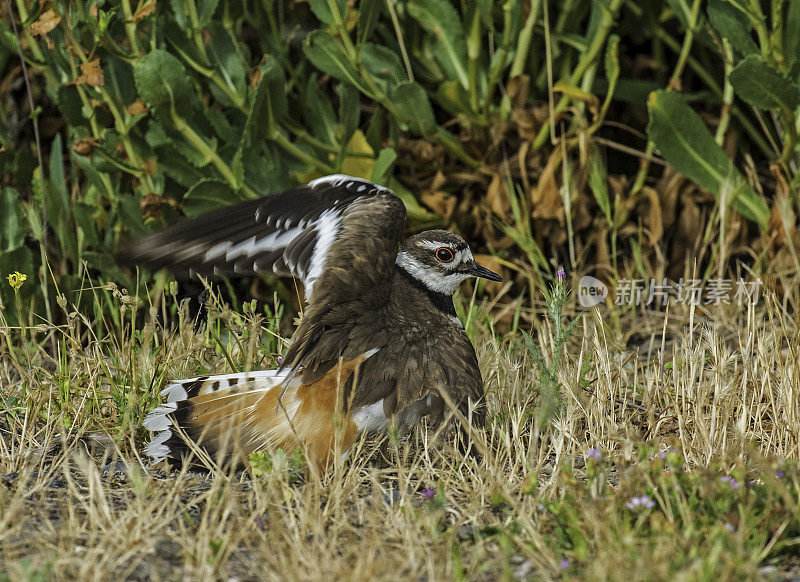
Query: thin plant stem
x,y
399,33
40,159
586,60
130,28
727,95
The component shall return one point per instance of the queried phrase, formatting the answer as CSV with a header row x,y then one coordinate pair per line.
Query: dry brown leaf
x,y
497,196
84,146
149,166
440,202
654,223
255,74
545,198
93,11
91,74
45,23
528,123
439,180
150,206
136,108
782,214
518,89
421,151
145,10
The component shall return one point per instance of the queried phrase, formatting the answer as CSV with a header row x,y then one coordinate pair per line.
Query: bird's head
x,y
440,260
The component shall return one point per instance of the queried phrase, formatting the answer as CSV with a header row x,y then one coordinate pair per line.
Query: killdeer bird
x,y
379,343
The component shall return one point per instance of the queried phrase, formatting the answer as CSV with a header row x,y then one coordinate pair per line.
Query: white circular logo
x,y
591,291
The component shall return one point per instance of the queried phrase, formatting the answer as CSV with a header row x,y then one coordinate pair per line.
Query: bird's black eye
x,y
444,254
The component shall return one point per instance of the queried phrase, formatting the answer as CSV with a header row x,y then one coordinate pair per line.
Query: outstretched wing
x,y
289,234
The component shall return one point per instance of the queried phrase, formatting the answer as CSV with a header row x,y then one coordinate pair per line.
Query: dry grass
x,y
76,502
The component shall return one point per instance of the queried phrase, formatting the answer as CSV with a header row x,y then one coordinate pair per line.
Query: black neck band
x,y
441,301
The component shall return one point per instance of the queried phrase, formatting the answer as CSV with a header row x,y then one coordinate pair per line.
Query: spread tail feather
x,y
232,415
206,409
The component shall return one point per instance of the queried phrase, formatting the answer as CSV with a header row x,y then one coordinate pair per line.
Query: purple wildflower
x,y
733,482
429,493
780,473
594,454
640,502
729,526
280,360
564,564
666,452
560,274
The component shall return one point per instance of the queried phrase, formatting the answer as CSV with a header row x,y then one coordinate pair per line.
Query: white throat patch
x,y
431,278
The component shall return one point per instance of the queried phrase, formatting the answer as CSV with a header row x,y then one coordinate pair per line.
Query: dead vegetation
x,y
697,415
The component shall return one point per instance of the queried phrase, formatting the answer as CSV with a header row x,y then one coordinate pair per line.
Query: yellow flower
x,y
16,279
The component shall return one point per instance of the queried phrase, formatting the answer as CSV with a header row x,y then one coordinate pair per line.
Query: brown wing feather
x,y
353,288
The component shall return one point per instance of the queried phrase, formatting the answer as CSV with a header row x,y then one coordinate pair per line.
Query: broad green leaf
x,y
228,61
161,80
130,214
763,86
161,133
360,166
205,11
12,233
269,104
118,76
383,65
792,39
59,211
69,104
598,183
85,217
208,195
322,10
176,166
440,19
483,8
93,175
683,139
349,114
58,181
368,13
414,108
227,133
733,26
349,111
383,166
318,112
416,212
453,97
328,55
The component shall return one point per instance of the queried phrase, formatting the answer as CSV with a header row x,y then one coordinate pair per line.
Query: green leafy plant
x,y
549,385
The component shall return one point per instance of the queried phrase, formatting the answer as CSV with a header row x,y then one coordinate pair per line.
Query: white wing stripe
x,y
327,230
252,246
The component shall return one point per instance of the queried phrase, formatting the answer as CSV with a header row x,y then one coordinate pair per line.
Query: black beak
x,y
481,271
